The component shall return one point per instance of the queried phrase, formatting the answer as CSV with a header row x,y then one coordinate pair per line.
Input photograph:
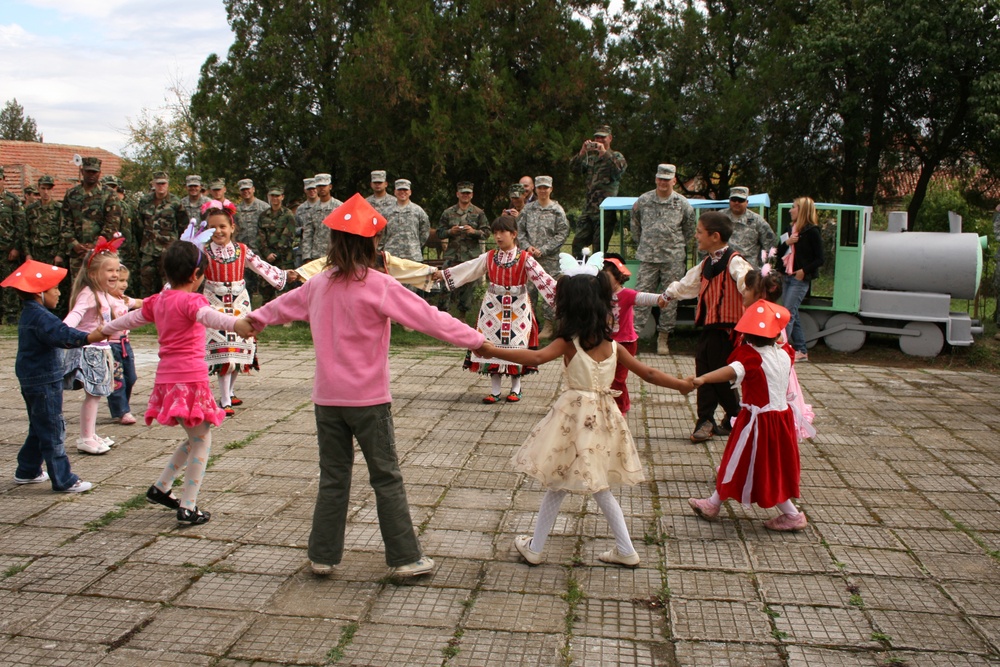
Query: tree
x,y
15,125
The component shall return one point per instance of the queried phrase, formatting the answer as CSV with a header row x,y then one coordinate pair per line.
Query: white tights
x,y
495,379
226,383
549,510
88,416
191,457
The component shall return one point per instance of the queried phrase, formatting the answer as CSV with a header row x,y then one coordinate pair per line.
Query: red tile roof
x,y
25,161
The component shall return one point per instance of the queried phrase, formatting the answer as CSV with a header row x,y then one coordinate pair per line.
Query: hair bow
x,y
224,205
571,267
197,233
104,245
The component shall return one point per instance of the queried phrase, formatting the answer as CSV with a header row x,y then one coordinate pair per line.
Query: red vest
x,y
720,304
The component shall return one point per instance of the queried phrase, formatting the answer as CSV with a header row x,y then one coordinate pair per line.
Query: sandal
x,y
193,517
514,397
491,399
157,497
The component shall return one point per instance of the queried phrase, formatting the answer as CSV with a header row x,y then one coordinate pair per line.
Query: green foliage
x,y
944,196
15,125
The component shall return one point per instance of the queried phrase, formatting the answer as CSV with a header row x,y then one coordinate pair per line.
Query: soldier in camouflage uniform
x,y
603,169
248,211
276,237
751,233
542,229
43,238
195,200
162,219
302,215
381,200
663,224
465,227
11,246
128,253
316,235
89,210
407,226
30,196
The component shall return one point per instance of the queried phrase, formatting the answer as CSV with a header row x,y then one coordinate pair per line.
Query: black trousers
x,y
713,349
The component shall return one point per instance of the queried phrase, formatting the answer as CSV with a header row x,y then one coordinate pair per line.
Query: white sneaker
x,y
79,487
523,545
93,445
42,477
613,556
422,566
321,569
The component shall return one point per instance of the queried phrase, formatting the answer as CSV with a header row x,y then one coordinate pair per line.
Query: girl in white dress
x,y
583,444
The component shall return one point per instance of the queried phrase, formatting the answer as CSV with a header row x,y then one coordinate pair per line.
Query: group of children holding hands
x,y
583,444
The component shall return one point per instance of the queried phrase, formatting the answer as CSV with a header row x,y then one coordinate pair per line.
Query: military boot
x,y
661,343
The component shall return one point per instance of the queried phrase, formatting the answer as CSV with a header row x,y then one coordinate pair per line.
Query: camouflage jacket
x,y
382,204
128,253
603,172
246,220
11,224
43,238
87,216
406,231
193,210
463,245
546,228
751,235
161,223
276,233
662,228
315,235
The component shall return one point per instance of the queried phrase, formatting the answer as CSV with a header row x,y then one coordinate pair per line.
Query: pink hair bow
x,y
224,205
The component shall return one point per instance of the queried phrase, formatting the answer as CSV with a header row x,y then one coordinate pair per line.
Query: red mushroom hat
x,y
356,216
34,277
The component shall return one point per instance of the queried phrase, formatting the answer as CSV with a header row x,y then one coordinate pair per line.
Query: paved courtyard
x,y
898,566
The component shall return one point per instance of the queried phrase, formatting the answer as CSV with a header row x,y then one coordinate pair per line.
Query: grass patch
x,y
453,647
346,637
14,569
881,637
121,509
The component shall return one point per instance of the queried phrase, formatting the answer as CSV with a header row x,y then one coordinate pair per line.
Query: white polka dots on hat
x,y
761,325
347,216
760,309
38,275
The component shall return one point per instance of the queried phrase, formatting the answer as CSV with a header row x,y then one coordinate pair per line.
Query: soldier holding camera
x,y
603,169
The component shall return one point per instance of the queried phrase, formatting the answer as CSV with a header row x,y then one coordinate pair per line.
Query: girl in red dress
x,y
761,461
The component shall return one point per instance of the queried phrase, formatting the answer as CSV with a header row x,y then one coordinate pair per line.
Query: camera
x,y
591,145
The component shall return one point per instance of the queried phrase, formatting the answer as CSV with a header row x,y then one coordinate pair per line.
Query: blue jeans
x,y
794,292
118,400
46,437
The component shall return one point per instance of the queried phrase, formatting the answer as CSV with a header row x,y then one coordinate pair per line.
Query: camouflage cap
x,y
516,190
160,177
276,190
378,176
217,184
543,181
465,186
193,179
91,164
46,181
739,193
602,131
244,184
309,183
30,190
323,179
666,171
2,175
402,184
108,179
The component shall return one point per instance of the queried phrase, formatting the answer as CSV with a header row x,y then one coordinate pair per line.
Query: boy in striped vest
x,y
718,282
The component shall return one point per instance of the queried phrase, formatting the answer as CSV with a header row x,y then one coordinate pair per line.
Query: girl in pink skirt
x,y
181,392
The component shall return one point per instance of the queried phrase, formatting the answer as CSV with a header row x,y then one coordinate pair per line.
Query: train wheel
x,y
928,344
810,328
847,340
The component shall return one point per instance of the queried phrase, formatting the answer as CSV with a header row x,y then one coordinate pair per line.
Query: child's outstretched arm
x,y
651,375
553,350
724,374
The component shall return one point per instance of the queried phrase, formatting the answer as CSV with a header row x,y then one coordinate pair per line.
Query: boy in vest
x,y
718,282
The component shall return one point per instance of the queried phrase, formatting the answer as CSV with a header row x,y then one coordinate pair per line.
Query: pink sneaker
x,y
787,522
704,507
127,419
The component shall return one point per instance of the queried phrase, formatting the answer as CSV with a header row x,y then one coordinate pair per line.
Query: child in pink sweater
x,y
349,307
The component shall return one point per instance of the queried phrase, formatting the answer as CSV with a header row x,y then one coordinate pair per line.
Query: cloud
x,y
84,69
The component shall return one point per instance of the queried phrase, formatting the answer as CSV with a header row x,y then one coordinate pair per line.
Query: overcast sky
x,y
82,69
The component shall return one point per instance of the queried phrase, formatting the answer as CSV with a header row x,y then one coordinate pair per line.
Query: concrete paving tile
x,y
523,578
487,648
804,589
913,518
324,597
799,558
975,598
280,531
706,554
978,521
169,550
686,526
467,519
718,585
232,529
969,566
718,620
988,626
876,562
457,543
523,522
851,535
231,590
30,652
149,521
826,626
288,640
247,505
128,657
57,574
822,657
956,502
517,612
393,644
841,514
264,559
463,498
928,632
195,631
419,605
601,651
935,659
943,541
883,498
15,510
19,609
619,618
75,617
143,581
699,654
34,540
902,595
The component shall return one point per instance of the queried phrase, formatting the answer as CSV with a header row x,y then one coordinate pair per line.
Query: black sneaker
x,y
724,428
703,432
